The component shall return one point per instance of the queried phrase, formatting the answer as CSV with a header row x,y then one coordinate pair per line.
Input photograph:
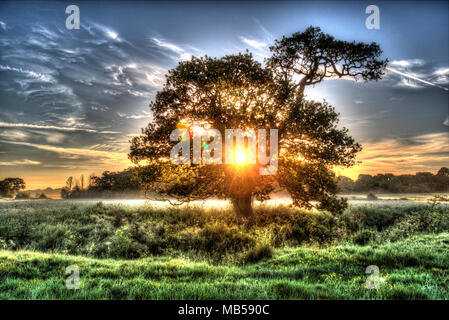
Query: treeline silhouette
x,y
109,185
421,182
125,184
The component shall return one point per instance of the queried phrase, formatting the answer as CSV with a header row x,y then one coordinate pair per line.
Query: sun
x,y
240,158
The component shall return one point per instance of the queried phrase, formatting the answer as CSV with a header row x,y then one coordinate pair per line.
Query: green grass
x,y
193,253
415,268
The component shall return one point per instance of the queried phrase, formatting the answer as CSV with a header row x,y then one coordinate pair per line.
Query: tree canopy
x,y
10,186
236,91
307,58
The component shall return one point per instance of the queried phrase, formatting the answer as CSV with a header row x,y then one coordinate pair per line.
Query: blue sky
x,y
71,99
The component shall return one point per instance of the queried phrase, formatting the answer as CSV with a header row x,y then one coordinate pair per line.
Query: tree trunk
x,y
243,207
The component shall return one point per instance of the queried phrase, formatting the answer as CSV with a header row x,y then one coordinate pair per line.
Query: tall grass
x,y
129,252
214,235
413,268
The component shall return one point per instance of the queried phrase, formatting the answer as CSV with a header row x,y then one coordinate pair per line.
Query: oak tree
x,y
236,91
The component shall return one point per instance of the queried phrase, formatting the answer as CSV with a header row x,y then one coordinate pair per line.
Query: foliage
x,y
421,182
412,268
423,221
23,195
260,252
237,92
363,237
195,253
10,186
109,184
311,56
128,232
212,234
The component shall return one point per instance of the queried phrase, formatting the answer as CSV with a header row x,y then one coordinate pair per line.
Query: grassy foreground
x,y
145,252
415,268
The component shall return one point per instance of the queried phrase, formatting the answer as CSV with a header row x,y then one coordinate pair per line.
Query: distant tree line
x,y
421,182
108,185
11,186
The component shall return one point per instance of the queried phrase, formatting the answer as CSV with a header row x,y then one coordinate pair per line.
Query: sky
x,y
70,100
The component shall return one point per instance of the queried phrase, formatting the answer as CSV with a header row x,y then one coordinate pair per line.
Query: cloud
x,y
30,74
133,79
53,137
401,156
170,46
145,114
359,101
407,63
49,127
419,153
253,43
441,76
105,157
417,73
186,56
446,122
409,83
182,53
46,127
19,162
99,108
60,78
442,71
108,33
405,82
267,35
14,135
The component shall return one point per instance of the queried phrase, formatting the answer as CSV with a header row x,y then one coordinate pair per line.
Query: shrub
x,y
124,246
220,239
364,237
23,195
104,231
430,220
371,196
379,218
258,253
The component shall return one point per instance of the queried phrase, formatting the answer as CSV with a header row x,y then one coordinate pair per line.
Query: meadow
x,y
145,251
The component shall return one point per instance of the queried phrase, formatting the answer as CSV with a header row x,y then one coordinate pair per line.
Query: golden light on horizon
x,y
240,158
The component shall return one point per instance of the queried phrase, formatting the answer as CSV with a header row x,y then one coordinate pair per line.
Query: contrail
x,y
417,79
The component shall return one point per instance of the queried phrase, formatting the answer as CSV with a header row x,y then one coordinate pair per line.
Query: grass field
x,y
143,252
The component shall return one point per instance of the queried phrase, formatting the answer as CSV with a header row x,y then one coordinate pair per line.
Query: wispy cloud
x,y
183,54
402,156
145,114
14,135
48,127
170,46
19,162
107,157
411,76
446,122
29,73
253,43
441,76
407,63
416,72
419,153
